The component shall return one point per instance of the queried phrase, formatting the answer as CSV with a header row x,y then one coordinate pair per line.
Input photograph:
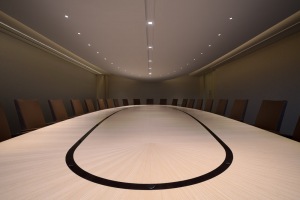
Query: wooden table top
x,y
150,152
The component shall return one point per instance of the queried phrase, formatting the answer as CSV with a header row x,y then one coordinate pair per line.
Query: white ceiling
x,y
180,36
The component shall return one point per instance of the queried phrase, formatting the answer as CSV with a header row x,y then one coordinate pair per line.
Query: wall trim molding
x,y
281,30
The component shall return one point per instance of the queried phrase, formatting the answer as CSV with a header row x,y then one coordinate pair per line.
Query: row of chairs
x,y
31,116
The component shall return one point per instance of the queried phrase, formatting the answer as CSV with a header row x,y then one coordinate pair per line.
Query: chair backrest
x,y
184,103
238,110
89,105
221,107
58,109
163,101
191,103
270,115
4,127
149,101
102,104
116,103
77,107
199,104
125,102
296,134
110,103
136,102
208,105
174,102
30,114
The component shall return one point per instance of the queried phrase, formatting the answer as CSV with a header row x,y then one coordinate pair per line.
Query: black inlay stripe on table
x,y
151,186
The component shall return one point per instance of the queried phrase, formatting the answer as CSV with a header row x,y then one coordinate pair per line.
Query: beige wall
x,y
183,87
271,73
28,72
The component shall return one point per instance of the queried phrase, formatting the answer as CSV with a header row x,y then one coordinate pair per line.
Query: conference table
x,y
150,152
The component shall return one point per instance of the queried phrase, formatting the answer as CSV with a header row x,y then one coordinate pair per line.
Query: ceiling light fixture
x,y
66,16
219,34
79,33
150,61
104,58
89,45
209,45
150,47
230,18
150,23
150,73
97,52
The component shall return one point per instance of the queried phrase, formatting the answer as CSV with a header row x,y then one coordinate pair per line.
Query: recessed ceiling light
x,y
97,52
230,18
104,58
79,33
150,23
209,45
66,16
89,45
194,58
150,67
150,61
201,53
111,63
150,47
150,73
219,34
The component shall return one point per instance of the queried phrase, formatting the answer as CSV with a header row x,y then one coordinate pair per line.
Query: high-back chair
x,y
89,105
270,115
4,127
102,104
184,103
77,107
116,102
30,114
238,110
136,102
199,104
221,107
149,101
110,103
163,101
174,102
191,103
58,110
208,105
296,134
125,102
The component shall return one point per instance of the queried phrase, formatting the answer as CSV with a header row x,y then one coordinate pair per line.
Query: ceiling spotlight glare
x,y
150,47
150,61
66,16
150,73
150,23
219,34
230,18
79,33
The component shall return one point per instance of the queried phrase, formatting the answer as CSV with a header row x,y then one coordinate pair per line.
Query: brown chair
x,y
136,102
191,103
238,110
89,105
174,102
199,104
116,103
296,134
125,102
4,127
102,104
77,107
58,110
30,114
208,105
221,108
270,115
163,101
149,101
184,103
110,103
